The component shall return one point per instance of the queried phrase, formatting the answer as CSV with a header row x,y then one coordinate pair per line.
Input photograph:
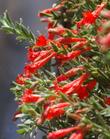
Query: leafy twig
x,y
22,32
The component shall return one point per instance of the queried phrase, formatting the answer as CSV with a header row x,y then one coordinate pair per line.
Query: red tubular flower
x,y
107,100
79,45
78,81
43,54
90,17
70,40
50,10
42,62
69,73
73,86
57,30
58,44
69,56
41,41
32,54
32,99
62,132
20,79
29,97
55,111
83,91
31,68
52,113
60,30
51,35
98,10
72,55
91,85
77,135
61,105
28,92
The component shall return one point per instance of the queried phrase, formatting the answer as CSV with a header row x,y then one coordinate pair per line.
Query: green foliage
x,y
22,33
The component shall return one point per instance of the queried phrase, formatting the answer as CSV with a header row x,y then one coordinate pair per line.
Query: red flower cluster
x,y
90,17
77,79
78,132
38,56
29,97
54,111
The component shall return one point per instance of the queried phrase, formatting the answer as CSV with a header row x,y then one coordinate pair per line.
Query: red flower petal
x,y
55,111
69,73
20,79
41,41
29,97
77,135
61,133
107,101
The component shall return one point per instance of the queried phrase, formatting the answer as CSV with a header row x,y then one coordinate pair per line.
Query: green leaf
x,y
106,112
55,48
22,32
28,122
64,97
21,131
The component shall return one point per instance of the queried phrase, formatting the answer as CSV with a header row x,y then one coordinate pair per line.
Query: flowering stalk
x,y
64,87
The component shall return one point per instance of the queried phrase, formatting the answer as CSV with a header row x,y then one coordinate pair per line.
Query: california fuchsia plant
x,y
64,89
